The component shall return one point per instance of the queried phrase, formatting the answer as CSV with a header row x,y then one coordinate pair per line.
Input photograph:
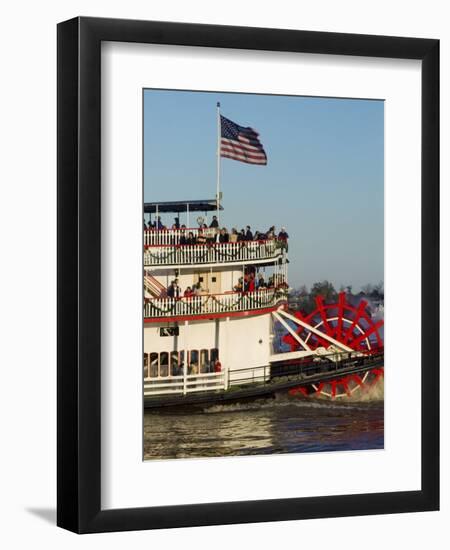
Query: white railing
x,y
184,384
213,253
154,237
191,383
214,303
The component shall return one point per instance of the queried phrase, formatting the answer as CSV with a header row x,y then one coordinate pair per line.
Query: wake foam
x,y
373,394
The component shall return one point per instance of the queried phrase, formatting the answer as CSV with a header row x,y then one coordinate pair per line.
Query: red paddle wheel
x,y
348,324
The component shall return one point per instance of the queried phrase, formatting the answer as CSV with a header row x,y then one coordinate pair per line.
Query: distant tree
x,y
324,289
379,288
367,289
303,290
374,291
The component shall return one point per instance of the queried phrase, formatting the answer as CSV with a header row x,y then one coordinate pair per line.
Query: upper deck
x,y
171,247
182,245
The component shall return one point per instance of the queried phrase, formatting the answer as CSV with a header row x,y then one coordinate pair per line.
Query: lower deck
x,y
214,388
189,356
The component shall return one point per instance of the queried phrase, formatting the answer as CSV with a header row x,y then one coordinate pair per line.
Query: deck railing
x,y
188,383
155,237
213,253
214,303
184,384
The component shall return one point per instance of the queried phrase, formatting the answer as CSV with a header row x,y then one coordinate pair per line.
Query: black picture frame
x,y
79,275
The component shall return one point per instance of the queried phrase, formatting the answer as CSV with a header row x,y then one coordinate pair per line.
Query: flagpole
x,y
219,137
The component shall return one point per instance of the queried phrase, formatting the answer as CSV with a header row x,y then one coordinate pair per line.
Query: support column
x,y
225,365
186,348
219,140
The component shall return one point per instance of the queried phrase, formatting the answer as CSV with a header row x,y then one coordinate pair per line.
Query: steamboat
x,y
217,323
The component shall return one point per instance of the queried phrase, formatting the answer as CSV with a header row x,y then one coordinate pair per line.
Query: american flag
x,y
240,143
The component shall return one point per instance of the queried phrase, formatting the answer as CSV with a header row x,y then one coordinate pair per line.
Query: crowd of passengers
x,y
214,234
248,283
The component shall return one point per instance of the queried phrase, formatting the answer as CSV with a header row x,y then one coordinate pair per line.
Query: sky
x,y
324,180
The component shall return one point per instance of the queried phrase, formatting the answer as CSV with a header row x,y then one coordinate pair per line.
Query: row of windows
x,y
157,365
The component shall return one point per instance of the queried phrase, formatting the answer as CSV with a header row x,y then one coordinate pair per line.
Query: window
x,y
174,364
153,365
181,355
204,360
193,362
164,364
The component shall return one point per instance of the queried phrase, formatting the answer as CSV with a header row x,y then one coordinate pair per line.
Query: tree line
x,y
303,298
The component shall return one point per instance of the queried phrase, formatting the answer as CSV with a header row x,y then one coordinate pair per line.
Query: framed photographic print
x,y
247,274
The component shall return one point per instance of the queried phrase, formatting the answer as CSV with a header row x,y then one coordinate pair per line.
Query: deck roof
x,y
181,206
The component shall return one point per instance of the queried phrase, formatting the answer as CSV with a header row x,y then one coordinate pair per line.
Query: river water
x,y
279,425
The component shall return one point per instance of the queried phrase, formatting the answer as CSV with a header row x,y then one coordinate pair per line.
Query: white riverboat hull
x,y
243,344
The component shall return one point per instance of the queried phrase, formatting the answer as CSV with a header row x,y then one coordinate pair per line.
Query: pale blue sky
x,y
323,181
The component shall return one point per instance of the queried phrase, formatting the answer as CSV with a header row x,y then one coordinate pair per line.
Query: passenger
x,y
248,234
217,366
159,224
214,222
177,223
282,235
176,371
234,236
246,282
241,236
239,287
196,295
193,368
183,239
271,233
211,235
191,239
251,283
223,235
145,226
172,236
171,290
197,289
261,283
201,239
174,290
188,293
